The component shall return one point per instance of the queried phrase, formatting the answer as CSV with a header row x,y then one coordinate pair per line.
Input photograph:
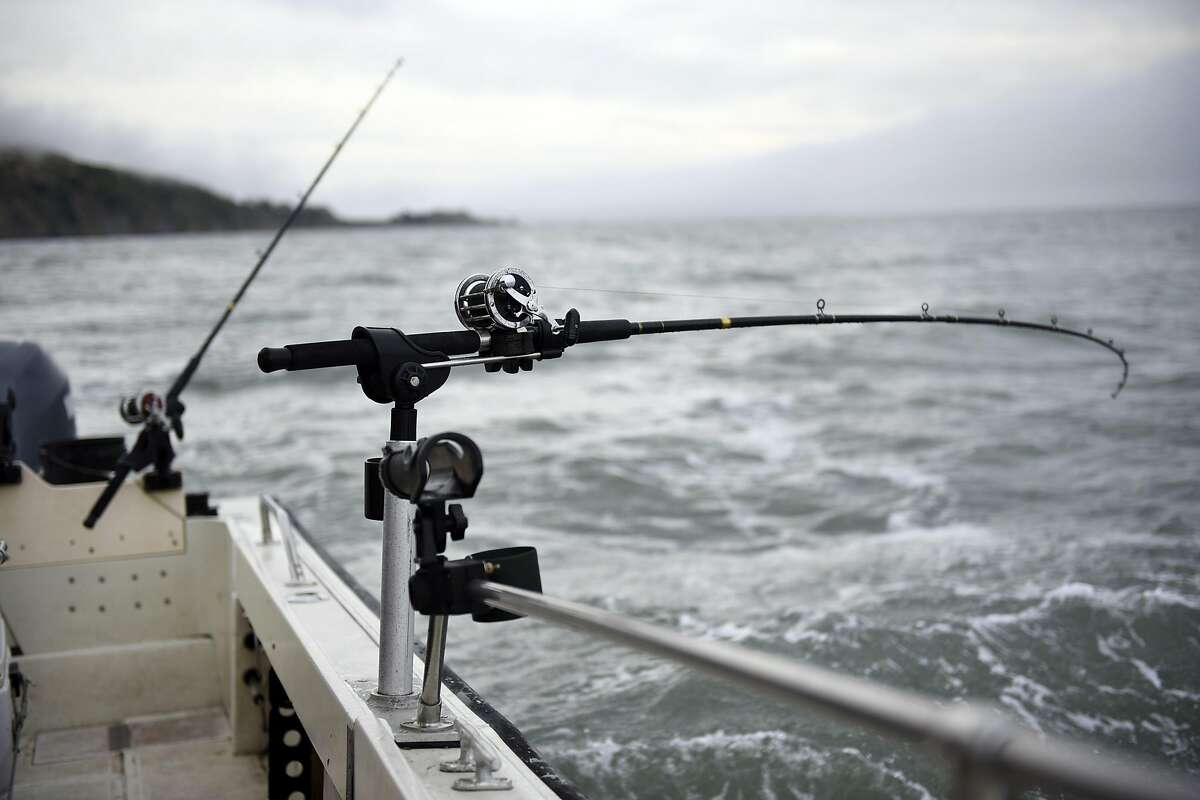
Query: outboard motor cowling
x,y
44,411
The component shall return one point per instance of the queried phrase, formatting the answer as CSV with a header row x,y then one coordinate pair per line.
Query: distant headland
x,y
48,194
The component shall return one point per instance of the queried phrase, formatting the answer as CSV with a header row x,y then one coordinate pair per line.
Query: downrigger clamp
x,y
428,474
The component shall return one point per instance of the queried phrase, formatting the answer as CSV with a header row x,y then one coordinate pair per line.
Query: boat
x,y
177,648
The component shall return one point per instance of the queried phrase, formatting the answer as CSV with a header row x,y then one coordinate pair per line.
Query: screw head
x,y
414,381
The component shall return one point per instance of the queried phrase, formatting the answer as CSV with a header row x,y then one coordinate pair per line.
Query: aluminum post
x,y
396,611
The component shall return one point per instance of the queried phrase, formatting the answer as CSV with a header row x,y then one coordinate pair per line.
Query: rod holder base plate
x,y
399,712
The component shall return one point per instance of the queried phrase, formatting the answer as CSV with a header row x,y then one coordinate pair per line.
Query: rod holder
x,y
429,704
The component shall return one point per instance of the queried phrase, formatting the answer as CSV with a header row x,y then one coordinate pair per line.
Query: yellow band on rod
x,y
726,322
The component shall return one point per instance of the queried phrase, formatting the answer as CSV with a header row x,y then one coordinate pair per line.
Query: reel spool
x,y
141,407
505,299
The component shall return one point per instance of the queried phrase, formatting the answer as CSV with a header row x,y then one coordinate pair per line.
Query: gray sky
x,y
551,109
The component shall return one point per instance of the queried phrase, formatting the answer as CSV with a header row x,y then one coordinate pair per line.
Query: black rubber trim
x,y
508,732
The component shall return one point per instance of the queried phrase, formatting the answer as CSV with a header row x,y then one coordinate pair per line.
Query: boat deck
x,y
182,755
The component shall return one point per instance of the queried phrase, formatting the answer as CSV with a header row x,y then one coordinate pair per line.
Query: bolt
x,y
414,381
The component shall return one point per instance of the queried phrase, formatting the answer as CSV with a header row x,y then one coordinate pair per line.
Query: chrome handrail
x,y
990,757
270,508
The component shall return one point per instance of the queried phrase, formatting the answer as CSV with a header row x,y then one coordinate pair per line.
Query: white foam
x,y
798,633
989,659
1148,672
1017,706
1174,736
725,632
894,774
721,741
1106,647
1124,601
1166,597
1105,725
1027,689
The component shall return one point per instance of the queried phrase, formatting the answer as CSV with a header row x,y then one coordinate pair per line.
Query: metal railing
x,y
269,509
991,758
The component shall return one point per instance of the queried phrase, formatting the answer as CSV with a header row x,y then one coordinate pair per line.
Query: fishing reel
x,y
506,300
504,311
142,407
151,407
151,448
507,329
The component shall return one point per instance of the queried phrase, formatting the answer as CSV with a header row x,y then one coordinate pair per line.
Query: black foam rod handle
x,y
358,352
316,355
605,330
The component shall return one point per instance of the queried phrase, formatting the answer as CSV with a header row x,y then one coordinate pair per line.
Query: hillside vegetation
x,y
53,195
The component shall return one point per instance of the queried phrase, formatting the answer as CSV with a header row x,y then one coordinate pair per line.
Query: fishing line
x,y
652,293
648,293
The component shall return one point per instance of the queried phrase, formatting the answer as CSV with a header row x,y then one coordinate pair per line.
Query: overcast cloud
x,y
525,107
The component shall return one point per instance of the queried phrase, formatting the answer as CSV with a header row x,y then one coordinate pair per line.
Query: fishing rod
x,y
155,413
507,328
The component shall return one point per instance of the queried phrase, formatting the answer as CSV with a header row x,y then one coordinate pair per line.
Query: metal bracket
x,y
479,757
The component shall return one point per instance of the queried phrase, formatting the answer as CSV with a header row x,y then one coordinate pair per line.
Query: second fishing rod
x,y
160,415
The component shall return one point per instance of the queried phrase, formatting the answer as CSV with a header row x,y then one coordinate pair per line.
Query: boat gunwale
x,y
508,732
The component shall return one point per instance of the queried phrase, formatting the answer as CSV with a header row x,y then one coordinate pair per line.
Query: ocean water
x,y
962,512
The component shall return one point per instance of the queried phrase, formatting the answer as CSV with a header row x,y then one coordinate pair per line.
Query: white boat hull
x,y
146,621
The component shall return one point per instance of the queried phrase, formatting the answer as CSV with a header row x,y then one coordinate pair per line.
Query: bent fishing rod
x,y
156,413
508,329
